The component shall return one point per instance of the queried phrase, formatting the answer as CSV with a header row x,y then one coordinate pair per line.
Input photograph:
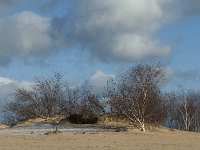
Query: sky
x,y
97,40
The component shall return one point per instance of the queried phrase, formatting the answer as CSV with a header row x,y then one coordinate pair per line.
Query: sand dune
x,y
133,139
2,126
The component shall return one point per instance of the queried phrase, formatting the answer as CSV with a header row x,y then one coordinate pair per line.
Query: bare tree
x,y
187,109
24,105
49,92
43,99
138,95
171,99
53,96
183,110
69,104
196,122
88,106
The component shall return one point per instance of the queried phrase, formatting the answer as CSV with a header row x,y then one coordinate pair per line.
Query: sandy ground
x,y
130,140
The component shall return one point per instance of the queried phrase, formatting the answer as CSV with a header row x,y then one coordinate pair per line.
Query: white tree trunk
x,y
142,127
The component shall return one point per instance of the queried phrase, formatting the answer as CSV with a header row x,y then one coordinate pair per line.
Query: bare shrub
x,y
53,96
43,99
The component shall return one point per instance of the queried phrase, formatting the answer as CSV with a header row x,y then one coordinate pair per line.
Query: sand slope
x,y
131,140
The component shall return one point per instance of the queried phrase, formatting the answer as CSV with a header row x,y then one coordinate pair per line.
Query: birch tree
x,y
188,110
138,94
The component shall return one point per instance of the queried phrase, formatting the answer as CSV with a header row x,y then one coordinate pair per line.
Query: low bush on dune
x,y
80,119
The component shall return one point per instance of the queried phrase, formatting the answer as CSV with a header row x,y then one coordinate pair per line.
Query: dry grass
x,y
2,126
114,119
131,140
156,138
53,119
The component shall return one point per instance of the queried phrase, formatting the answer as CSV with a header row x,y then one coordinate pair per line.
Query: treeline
x,y
136,95
183,110
53,96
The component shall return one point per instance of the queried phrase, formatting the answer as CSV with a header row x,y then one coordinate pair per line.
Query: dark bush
x,y
79,119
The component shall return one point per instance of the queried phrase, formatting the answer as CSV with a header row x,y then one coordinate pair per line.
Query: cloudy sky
x,y
96,40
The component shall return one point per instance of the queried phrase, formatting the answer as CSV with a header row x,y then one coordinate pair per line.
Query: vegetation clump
x,y
136,98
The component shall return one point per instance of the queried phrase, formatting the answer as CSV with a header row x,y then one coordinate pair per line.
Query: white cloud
x,y
8,87
109,30
133,47
22,35
119,30
99,80
5,81
24,84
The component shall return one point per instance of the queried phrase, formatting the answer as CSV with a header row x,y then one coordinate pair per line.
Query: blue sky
x,y
97,40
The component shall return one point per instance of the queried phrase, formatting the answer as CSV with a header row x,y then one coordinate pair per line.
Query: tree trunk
x,y
142,127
